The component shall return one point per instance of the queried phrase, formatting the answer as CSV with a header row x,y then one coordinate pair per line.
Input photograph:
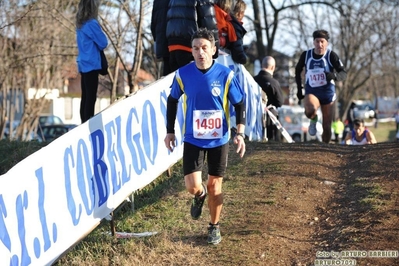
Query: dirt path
x,y
284,204
288,204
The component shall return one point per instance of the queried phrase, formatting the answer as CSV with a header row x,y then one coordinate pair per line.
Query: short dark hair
x,y
204,33
358,122
321,34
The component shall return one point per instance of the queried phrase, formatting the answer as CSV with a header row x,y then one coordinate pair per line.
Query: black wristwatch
x,y
241,134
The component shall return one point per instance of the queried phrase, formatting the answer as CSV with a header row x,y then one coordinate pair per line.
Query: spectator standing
x,y
360,135
231,30
158,30
274,94
223,18
338,129
184,17
322,68
350,116
90,40
207,87
375,118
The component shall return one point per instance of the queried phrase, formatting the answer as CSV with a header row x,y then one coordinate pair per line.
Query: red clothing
x,y
225,26
175,47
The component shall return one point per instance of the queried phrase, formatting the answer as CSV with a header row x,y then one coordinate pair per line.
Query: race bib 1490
x,y
207,124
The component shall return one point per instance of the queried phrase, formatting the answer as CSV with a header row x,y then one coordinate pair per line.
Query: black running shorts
x,y
194,157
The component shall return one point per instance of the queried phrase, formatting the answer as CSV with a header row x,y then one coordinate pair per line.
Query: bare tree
x,y
367,37
33,55
138,55
275,14
127,36
40,47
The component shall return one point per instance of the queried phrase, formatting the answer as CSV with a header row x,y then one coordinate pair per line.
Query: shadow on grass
x,y
162,186
12,152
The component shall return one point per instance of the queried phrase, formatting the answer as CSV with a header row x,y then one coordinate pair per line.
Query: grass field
x,y
385,132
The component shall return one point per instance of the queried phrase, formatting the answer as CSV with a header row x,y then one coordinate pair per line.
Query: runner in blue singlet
x,y
207,88
322,68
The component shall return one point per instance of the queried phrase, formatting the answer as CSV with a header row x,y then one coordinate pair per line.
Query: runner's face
x,y
359,129
320,46
203,51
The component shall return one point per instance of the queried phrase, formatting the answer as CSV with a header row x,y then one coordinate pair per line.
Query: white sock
x,y
203,191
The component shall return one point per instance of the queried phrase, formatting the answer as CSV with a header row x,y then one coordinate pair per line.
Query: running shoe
x,y
312,130
214,236
196,205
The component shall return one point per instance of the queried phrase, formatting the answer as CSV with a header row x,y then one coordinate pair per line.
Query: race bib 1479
x,y
316,77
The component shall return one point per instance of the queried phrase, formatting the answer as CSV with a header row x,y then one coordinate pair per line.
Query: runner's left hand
x,y
239,141
330,76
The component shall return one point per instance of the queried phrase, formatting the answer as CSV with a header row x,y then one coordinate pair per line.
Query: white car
x,y
364,111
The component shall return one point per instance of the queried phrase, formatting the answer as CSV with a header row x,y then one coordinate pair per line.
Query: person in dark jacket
x,y
350,117
231,31
237,47
185,17
274,94
158,30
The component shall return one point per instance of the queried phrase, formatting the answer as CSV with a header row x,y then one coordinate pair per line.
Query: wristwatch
x,y
241,134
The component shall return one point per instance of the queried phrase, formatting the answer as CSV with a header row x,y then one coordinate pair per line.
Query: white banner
x,y
253,92
59,194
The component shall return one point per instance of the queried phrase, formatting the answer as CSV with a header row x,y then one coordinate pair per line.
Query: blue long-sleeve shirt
x,y
90,39
206,103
